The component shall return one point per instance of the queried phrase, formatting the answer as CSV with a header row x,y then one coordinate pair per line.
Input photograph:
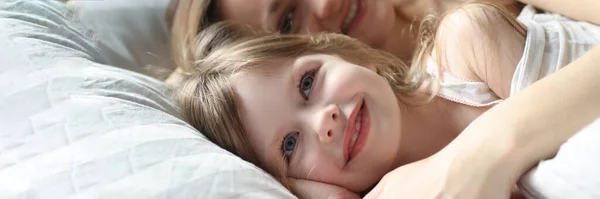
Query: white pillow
x,y
73,128
573,173
132,34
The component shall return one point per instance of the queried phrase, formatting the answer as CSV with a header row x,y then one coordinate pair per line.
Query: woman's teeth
x,y
351,16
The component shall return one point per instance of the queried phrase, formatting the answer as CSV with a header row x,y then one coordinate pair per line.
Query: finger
x,y
376,192
344,194
318,190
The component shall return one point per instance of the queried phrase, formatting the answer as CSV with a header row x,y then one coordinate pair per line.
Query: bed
x,y
84,114
78,122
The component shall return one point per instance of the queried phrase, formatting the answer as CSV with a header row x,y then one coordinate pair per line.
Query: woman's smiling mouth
x,y
350,17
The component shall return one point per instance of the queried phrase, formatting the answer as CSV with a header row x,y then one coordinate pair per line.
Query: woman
x,y
399,19
217,67
390,25
510,175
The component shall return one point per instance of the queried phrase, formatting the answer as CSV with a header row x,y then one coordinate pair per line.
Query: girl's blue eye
x,y
287,23
289,144
306,84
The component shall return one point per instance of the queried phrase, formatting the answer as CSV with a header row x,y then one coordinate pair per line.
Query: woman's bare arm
x,y
531,125
481,42
487,159
581,10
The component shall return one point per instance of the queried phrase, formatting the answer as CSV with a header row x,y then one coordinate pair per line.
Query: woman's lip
x,y
360,14
346,13
363,133
349,130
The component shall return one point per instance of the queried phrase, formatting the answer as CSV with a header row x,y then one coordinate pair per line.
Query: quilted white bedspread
x,y
73,128
574,173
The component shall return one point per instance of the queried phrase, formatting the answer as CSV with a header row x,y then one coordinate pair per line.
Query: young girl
x,y
329,109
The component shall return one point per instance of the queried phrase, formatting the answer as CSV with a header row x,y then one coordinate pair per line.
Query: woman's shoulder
x,y
481,42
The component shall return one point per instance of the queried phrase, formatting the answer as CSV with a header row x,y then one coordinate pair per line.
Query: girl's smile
x,y
321,118
357,131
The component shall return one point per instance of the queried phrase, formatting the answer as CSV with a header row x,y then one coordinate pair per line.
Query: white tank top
x,y
553,41
460,90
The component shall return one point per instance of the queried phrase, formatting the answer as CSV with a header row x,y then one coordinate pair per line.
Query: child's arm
x,y
583,10
482,43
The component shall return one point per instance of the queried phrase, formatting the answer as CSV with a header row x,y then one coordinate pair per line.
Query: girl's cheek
x,y
323,170
340,83
315,166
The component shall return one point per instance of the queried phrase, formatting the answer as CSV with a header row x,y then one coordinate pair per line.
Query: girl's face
x,y
321,118
369,21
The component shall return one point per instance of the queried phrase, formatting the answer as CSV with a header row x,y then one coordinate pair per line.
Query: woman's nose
x,y
327,9
326,123
326,15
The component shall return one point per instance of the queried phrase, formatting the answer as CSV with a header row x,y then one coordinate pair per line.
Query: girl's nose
x,y
326,123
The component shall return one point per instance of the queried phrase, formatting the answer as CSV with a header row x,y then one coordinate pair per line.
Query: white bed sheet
x,y
132,34
573,173
73,128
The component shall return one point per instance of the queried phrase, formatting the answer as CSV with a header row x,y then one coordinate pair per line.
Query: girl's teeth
x,y
358,121
354,138
357,126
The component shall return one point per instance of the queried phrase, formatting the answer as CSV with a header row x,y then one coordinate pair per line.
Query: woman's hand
x,y
436,178
306,189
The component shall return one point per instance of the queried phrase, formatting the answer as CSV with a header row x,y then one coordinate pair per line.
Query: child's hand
x,y
306,189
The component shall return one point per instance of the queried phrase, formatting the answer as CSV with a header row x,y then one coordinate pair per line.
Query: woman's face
x,y
321,118
369,21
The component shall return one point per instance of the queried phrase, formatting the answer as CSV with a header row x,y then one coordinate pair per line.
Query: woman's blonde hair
x,y
185,19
